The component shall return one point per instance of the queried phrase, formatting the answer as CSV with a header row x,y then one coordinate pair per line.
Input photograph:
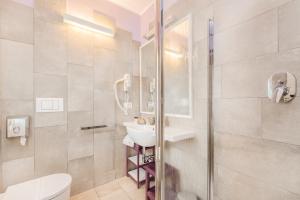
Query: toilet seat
x,y
44,188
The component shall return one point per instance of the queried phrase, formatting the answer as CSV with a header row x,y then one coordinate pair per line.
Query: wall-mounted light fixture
x,y
173,53
88,25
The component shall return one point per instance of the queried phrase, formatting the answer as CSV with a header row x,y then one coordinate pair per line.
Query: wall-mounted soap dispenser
x,y
18,126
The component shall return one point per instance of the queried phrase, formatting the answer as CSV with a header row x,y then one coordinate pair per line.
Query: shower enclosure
x,y
228,71
184,94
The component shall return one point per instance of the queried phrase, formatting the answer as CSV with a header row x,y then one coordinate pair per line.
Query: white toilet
x,y
54,187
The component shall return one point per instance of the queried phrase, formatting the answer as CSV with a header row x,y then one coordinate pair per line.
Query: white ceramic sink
x,y
144,135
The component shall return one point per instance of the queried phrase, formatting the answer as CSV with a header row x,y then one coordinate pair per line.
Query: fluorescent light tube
x,y
173,53
69,19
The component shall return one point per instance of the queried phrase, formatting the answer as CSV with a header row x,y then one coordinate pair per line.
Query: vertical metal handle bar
x,y
210,140
159,111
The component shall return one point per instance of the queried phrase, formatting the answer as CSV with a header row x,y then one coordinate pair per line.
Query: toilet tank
x,y
54,187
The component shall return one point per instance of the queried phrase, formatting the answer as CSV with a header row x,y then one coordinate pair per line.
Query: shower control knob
x,y
282,87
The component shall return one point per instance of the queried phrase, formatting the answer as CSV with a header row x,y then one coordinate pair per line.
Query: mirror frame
x,y
190,67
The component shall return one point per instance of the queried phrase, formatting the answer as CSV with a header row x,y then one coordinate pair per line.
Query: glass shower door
x,y
186,100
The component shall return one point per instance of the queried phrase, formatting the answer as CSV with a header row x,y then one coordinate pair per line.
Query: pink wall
x,y
146,18
29,3
125,19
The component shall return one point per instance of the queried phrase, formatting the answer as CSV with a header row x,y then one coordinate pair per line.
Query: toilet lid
x,y
43,188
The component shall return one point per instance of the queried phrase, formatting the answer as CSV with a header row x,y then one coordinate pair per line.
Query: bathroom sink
x,y
143,135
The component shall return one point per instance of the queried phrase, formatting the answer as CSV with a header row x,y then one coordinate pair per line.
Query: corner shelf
x,y
137,174
134,175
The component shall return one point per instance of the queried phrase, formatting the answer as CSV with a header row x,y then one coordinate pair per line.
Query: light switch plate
x,y
49,105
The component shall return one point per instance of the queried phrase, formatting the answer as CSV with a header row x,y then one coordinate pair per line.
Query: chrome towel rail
x,y
93,127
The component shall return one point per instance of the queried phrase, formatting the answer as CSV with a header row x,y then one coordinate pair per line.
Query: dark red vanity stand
x,y
137,174
150,176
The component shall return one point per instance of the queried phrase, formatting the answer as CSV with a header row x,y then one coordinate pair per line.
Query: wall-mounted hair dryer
x,y
127,85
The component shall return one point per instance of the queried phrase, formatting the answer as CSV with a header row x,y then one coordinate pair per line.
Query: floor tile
x,y
117,195
88,195
108,188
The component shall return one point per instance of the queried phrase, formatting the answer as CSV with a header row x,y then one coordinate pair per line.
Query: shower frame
x,y
159,110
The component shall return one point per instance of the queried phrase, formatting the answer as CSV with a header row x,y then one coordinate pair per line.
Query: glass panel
x,y
186,89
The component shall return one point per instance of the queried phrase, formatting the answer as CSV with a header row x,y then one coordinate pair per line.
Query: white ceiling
x,y
136,6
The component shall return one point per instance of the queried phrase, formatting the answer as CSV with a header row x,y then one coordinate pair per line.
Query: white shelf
x,y
134,160
133,174
176,135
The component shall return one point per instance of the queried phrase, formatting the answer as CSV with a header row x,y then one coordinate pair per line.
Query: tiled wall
x,y
257,143
40,56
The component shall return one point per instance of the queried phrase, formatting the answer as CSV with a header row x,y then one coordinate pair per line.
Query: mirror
x,y
178,69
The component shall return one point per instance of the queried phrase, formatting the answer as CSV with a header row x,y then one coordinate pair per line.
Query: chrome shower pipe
x,y
159,110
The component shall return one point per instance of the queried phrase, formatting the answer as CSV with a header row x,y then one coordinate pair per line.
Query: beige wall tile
x,y
50,11
51,154
81,146
280,122
80,88
17,171
125,46
200,23
76,120
80,46
200,83
16,65
250,77
136,58
51,86
103,157
277,164
238,116
81,171
242,41
217,82
104,68
231,185
50,48
11,148
120,157
104,108
200,54
81,76
80,99
289,31
122,68
228,13
16,22
102,41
